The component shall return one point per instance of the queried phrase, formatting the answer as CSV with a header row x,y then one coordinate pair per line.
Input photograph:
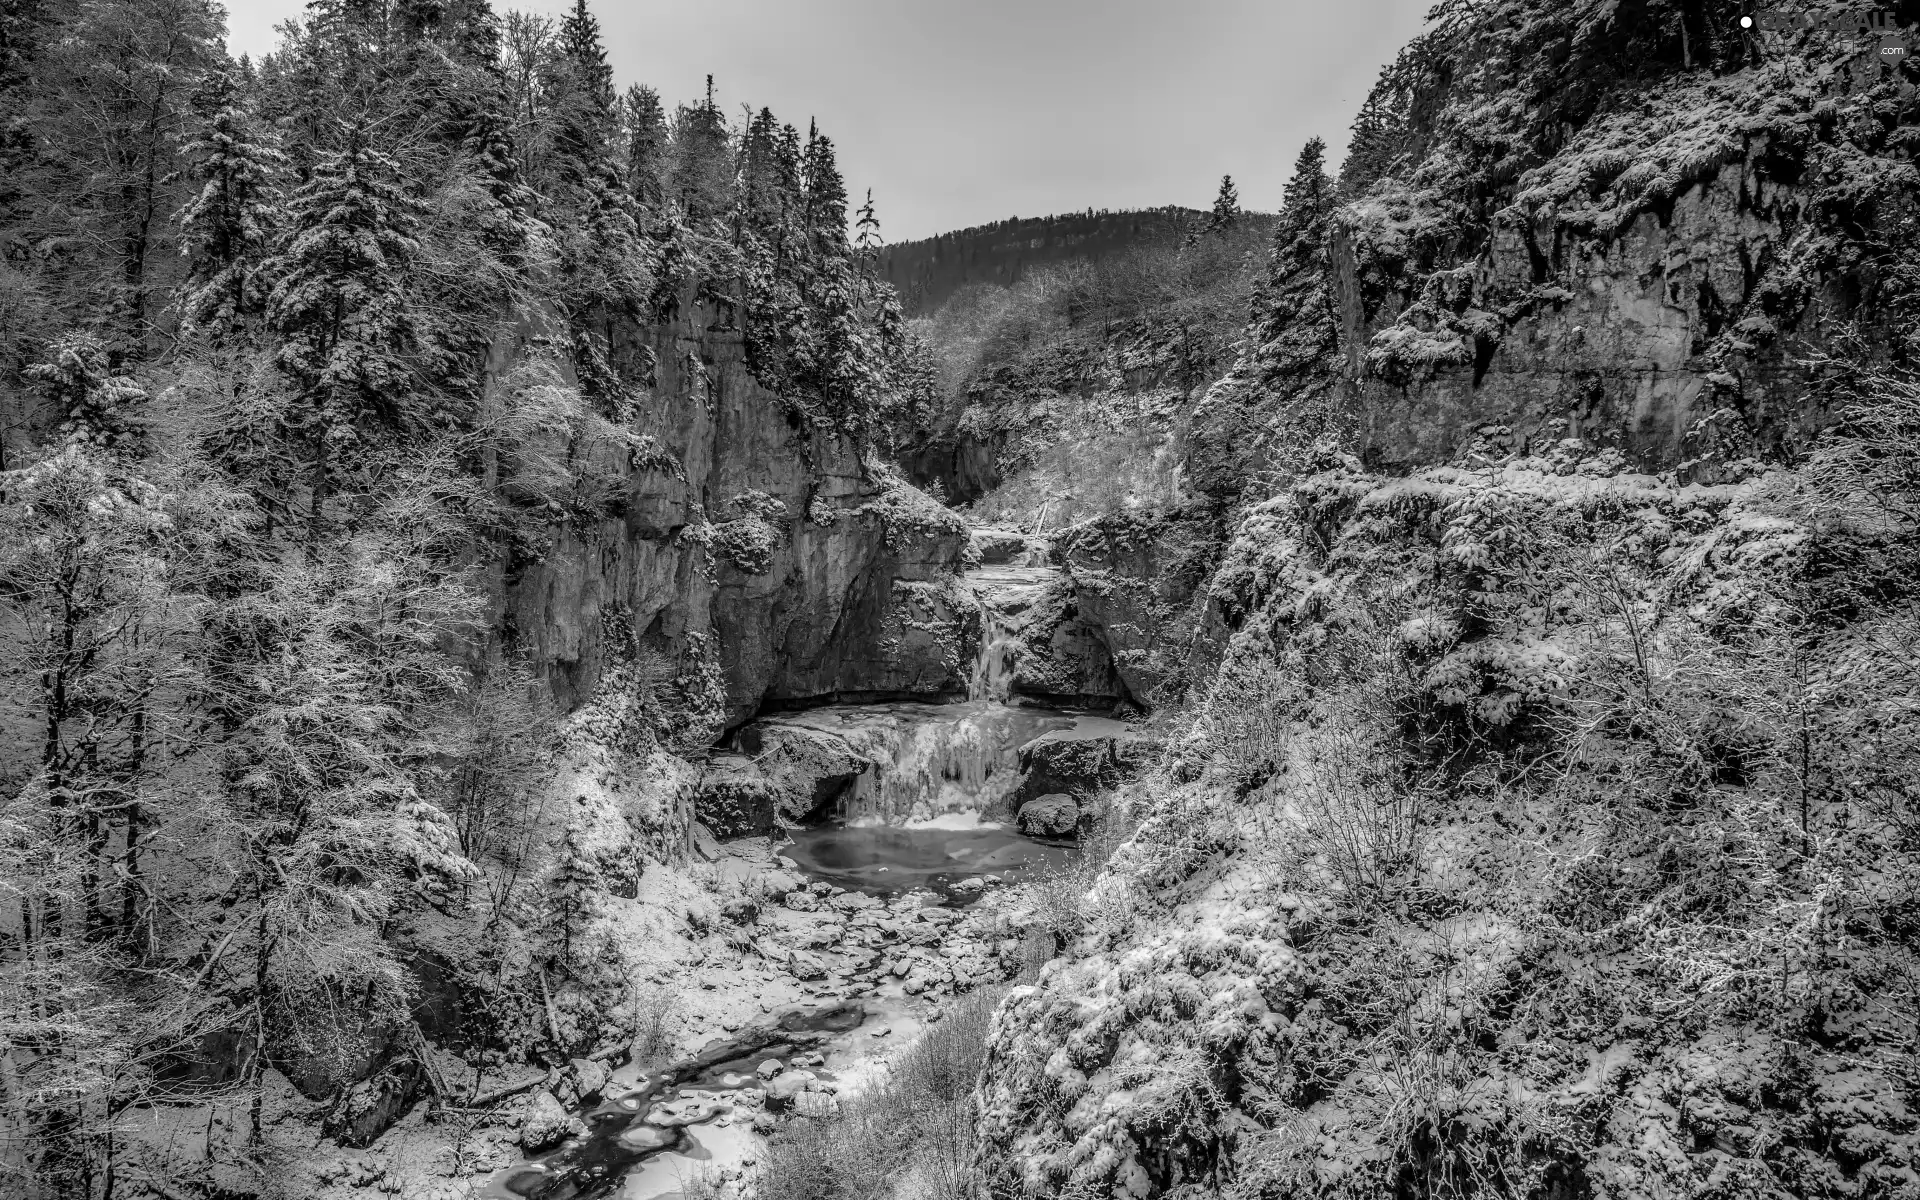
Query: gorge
x,y
529,669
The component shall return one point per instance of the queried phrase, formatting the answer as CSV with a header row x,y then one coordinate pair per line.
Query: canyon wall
x,y
744,544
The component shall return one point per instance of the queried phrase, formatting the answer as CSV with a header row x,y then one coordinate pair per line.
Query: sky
x,y
961,112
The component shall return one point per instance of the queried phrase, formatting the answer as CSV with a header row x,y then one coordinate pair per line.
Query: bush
x,y
911,1136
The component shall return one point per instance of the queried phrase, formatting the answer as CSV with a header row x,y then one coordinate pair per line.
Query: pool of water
x,y
883,859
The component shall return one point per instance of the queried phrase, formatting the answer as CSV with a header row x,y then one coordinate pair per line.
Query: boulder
x,y
815,1104
1055,815
805,966
589,1077
369,1108
853,902
735,798
801,901
1003,546
547,1124
786,1085
1065,762
769,1068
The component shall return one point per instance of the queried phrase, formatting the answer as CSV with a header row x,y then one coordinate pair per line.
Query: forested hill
x,y
928,271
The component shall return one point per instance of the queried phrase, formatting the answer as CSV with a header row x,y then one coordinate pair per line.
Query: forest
x,y
260,456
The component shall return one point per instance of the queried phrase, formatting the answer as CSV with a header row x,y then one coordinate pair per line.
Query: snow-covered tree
x,y
102,409
227,228
340,306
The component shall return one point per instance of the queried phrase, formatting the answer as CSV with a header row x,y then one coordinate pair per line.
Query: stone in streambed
x,y
547,1124
589,1077
805,966
647,1138
786,1085
1057,815
815,1104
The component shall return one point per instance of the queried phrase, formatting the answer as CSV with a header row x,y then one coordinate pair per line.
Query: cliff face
x,y
744,547
1612,341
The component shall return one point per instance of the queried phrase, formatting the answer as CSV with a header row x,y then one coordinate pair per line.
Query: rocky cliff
x,y
744,549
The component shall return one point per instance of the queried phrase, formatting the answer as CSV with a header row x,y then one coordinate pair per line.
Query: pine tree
x,y
868,241
646,124
341,306
1226,207
227,227
825,195
701,175
584,108
1280,399
102,408
572,896
762,202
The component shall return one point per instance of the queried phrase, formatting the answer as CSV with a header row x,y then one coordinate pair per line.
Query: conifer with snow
x,y
227,228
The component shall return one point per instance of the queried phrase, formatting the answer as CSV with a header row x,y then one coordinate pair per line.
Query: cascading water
x,y
936,806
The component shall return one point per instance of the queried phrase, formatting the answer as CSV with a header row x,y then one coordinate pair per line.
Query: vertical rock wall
x,y
754,552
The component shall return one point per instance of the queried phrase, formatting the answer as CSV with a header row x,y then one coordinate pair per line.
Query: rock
x,y
768,1068
883,1031
547,1124
853,902
972,885
705,844
771,950
801,901
821,887
369,1108
1057,815
780,882
805,966
735,798
1068,761
1135,598
589,1077
996,546
815,1104
674,1114
830,579
786,1085
764,1122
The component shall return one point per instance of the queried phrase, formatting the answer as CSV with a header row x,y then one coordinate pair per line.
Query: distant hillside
x,y
926,272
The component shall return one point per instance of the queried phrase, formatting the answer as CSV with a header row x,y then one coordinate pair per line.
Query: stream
x,y
934,813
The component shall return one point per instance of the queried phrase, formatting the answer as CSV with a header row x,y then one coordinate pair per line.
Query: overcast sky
x,y
959,112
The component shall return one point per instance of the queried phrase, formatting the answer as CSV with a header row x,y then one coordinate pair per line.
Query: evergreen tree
x,y
227,227
101,408
701,177
580,38
341,306
583,107
646,146
1226,207
867,241
1279,401
825,195
763,203
572,896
